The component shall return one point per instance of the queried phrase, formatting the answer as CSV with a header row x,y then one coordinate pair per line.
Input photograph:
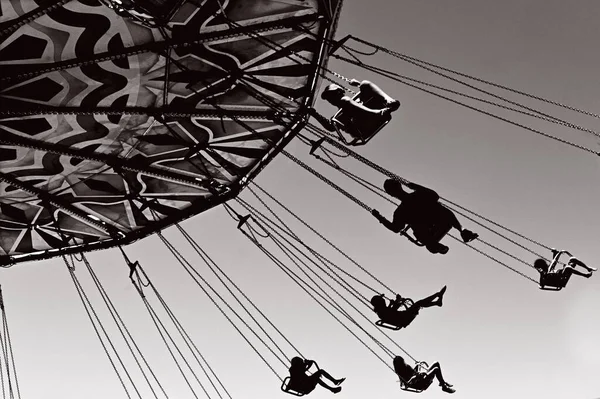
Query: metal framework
x,y
104,147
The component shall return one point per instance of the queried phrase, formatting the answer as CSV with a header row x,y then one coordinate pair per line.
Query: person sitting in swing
x,y
414,378
421,211
389,313
305,384
335,95
553,275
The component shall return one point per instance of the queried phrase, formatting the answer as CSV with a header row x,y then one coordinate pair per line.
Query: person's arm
x,y
390,225
351,106
395,304
308,363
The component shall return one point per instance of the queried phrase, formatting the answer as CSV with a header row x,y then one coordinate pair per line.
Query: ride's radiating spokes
x,y
148,118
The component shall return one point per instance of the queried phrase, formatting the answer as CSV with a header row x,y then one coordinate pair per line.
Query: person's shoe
x,y
393,105
338,382
443,249
448,388
441,296
336,389
468,235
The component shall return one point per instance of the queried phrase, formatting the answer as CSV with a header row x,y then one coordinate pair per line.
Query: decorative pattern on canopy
x,y
110,130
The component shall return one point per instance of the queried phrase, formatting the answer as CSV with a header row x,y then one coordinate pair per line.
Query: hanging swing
x,y
359,131
405,304
553,281
419,382
294,388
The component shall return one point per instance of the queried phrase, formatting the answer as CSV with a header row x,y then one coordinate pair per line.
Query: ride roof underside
x,y
111,130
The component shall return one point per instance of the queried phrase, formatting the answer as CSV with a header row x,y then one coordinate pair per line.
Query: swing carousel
x,y
120,118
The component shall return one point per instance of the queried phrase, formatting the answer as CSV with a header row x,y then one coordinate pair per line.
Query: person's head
x,y
394,188
378,302
297,361
399,364
541,264
333,94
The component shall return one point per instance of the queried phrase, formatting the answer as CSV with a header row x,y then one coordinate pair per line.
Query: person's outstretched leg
x,y
432,300
467,235
569,270
323,373
436,371
576,262
316,379
369,87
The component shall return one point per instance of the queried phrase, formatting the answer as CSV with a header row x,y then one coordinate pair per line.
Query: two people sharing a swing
x,y
557,276
421,212
303,383
390,316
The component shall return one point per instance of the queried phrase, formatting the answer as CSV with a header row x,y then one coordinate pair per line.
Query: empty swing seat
x,y
358,131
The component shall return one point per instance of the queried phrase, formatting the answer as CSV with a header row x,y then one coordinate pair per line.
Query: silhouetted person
x,y
305,384
556,276
421,380
385,105
421,211
389,314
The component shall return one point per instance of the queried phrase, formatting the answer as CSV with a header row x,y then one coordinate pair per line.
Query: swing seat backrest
x,y
358,131
287,388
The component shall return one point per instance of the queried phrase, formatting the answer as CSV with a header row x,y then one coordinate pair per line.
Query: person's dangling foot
x,y
468,235
336,389
338,382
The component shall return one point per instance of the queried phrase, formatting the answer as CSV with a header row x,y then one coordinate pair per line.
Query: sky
x,y
497,334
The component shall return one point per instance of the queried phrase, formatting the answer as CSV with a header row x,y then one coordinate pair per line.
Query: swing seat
x,y
553,281
434,234
381,323
419,383
285,387
358,131
406,303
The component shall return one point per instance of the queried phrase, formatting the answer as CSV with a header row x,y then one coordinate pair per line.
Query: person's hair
x,y
393,187
297,361
329,90
541,264
377,301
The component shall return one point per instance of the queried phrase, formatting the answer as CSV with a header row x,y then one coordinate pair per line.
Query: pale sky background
x,y
496,336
